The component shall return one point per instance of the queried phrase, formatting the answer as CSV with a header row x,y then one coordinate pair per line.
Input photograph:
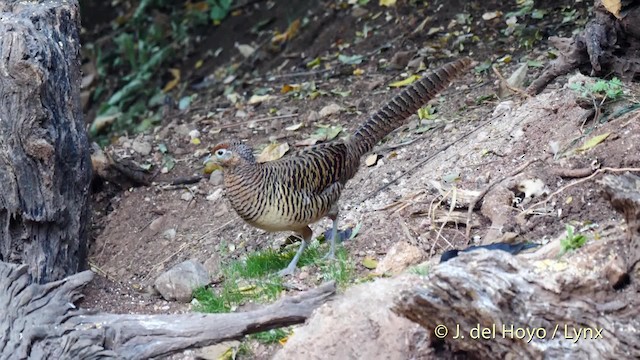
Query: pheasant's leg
x,y
291,268
334,234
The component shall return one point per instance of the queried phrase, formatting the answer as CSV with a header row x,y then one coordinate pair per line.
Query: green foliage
x,y
609,89
270,336
255,278
572,241
130,66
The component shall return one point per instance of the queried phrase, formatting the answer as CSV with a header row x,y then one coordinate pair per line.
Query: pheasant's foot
x,y
291,268
330,255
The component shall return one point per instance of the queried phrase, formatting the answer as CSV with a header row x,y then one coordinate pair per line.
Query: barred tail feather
x,y
393,114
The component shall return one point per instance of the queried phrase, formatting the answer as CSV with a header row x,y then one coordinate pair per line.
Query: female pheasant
x,y
295,191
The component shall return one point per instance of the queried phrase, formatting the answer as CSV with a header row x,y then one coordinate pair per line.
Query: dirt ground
x,y
142,231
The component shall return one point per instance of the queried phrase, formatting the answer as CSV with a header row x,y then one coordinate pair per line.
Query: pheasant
x,y
297,190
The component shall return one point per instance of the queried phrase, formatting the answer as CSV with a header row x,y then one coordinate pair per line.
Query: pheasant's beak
x,y
209,158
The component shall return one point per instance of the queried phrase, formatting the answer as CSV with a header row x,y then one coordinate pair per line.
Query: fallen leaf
x,y
245,50
613,6
173,82
358,72
593,142
287,88
330,110
294,127
387,3
313,63
491,15
198,64
408,81
371,160
256,99
370,263
273,151
292,30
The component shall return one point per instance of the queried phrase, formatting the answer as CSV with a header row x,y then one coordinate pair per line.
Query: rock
x,y
213,264
329,110
157,224
186,196
338,330
194,134
399,257
169,234
141,147
359,12
400,60
215,196
179,282
216,178
313,116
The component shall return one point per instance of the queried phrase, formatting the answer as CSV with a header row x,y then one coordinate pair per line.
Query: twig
x,y
254,120
596,173
426,160
484,192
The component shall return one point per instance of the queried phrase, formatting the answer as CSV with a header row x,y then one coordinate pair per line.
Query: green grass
x,y
572,241
422,270
255,278
270,336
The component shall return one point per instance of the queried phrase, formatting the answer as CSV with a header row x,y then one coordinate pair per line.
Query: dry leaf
x,y
173,82
292,30
614,7
387,3
273,151
591,143
371,160
245,50
408,81
256,99
370,263
294,127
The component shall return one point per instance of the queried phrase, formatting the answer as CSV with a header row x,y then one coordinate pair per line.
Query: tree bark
x,y
40,322
609,44
541,309
45,169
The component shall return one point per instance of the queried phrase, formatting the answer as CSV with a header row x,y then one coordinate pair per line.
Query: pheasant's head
x,y
230,155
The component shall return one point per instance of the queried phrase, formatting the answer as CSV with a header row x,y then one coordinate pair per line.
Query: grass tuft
x,y
255,277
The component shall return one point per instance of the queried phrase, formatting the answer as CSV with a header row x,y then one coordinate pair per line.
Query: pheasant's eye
x,y
220,152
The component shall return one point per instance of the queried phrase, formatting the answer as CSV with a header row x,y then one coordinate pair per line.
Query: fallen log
x,y
39,321
489,304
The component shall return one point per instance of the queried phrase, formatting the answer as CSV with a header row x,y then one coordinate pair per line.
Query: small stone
x,y
194,134
358,12
156,224
400,256
303,275
215,196
183,129
186,196
329,110
179,282
216,178
141,147
213,264
313,116
169,234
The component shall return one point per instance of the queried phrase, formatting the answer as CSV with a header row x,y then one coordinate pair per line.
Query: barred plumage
x,y
300,189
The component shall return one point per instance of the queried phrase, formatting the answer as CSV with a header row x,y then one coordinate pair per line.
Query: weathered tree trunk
x,y
505,306
609,44
45,169
40,322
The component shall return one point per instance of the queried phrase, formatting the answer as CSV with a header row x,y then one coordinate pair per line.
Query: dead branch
x,y
40,321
